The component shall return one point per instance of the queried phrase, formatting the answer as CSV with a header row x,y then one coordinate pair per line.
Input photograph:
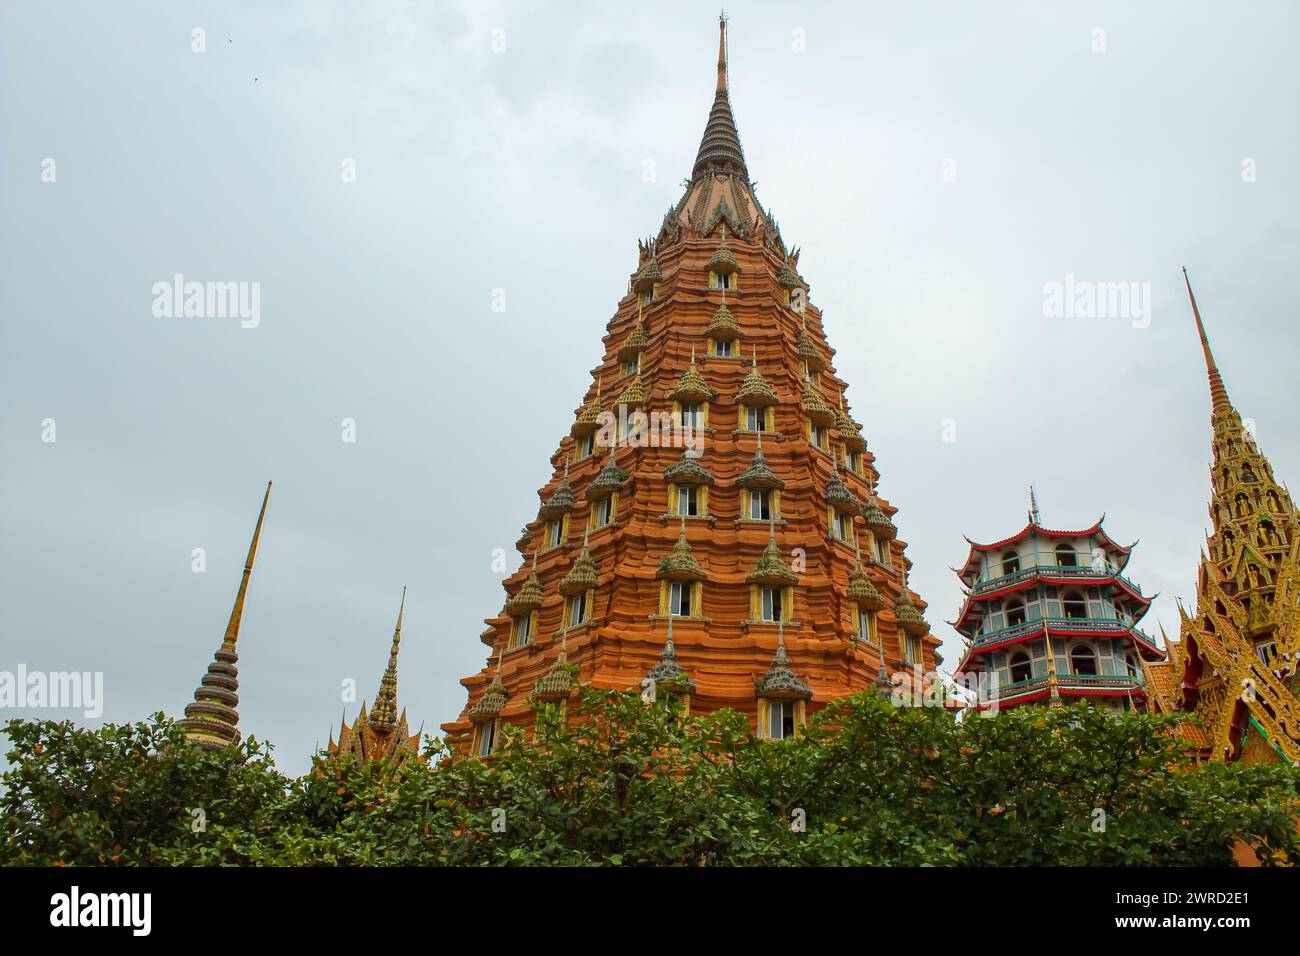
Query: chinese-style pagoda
x,y
382,733
734,551
1063,590
1235,664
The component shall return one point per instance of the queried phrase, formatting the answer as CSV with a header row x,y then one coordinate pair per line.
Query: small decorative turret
x,y
724,326
770,569
809,354
650,274
634,395
583,574
588,420
754,390
905,611
815,405
788,278
687,470
878,522
557,683
838,495
561,501
636,340
607,481
667,674
848,431
723,259
758,474
212,721
781,681
493,701
691,387
861,589
529,597
680,564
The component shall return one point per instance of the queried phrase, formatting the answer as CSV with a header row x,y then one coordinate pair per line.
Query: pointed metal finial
x,y
1033,506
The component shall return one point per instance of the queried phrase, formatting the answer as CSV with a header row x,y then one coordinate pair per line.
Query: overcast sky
x,y
939,163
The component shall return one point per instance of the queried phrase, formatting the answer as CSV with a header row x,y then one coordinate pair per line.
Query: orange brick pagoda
x,y
710,530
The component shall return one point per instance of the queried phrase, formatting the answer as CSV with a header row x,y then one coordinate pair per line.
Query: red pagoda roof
x,y
1036,530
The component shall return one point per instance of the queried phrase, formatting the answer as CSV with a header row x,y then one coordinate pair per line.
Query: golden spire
x,y
237,612
1218,394
212,721
722,53
383,714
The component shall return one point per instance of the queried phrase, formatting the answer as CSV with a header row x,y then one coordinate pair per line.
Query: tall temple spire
x,y
1218,394
383,715
212,721
1033,506
720,145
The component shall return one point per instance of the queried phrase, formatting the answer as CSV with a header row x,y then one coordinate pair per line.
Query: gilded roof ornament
x,y
687,470
861,589
583,574
562,499
754,390
809,354
667,673
848,431
815,406
383,715
758,474
771,569
680,564
529,597
645,279
781,681
588,420
723,326
607,480
691,387
907,615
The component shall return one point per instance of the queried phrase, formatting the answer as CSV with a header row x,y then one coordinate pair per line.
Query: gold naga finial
x,y
1218,394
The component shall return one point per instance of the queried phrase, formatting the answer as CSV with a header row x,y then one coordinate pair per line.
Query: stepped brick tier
x,y
382,733
757,568
1235,665
1063,587
212,720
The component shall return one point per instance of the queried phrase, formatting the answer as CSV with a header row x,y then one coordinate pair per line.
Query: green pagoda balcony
x,y
1051,573
1102,626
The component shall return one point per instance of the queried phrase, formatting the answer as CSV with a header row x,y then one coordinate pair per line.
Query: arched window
x,y
1066,556
1015,612
1074,604
1020,667
1082,660
1247,473
1131,663
1010,562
